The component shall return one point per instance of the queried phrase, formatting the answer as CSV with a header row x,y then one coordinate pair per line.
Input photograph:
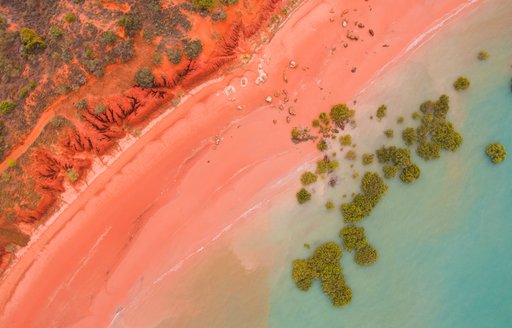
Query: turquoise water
x,y
445,242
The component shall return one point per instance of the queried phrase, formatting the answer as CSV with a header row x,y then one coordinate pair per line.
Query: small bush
x,y
409,136
108,38
341,115
389,133
303,196
322,145
204,4
329,205
351,155
410,174
72,175
99,109
390,171
145,78
462,83
70,18
368,159
82,104
131,23
382,111
7,106
346,140
193,49
483,55
366,255
174,56
32,43
353,237
11,162
308,178
496,153
56,33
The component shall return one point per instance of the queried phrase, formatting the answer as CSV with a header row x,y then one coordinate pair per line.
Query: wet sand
x,y
174,190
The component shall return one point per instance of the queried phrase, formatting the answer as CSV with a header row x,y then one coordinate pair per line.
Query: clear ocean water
x,y
445,242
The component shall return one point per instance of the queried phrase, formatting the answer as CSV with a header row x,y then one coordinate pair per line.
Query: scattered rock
x,y
372,33
274,121
360,25
293,64
288,119
244,81
345,45
291,111
352,36
285,78
218,139
229,90
331,19
354,69
239,107
385,45
268,99
281,107
344,23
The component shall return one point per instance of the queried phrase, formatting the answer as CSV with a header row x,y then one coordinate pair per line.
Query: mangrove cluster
x,y
323,265
496,153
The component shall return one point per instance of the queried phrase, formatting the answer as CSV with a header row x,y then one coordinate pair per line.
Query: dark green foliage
x,y
410,173
353,237
389,133
322,145
341,115
409,136
435,133
7,106
82,104
366,255
308,178
300,135
108,38
70,17
56,33
390,171
373,188
368,159
131,23
382,111
483,55
204,4
326,165
145,77
303,196
323,265
462,83
32,43
174,56
496,153
346,140
193,49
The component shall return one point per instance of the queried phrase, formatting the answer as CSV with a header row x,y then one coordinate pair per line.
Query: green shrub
x,y
72,175
496,153
322,145
373,188
303,196
174,56
323,265
11,162
346,140
329,205
400,120
340,114
351,155
326,165
368,159
23,92
82,104
390,171
145,78
32,43
389,133
70,17
193,49
410,173
381,111
131,23
366,255
204,4
353,237
409,136
308,178
56,33
462,83
483,55
108,38
7,106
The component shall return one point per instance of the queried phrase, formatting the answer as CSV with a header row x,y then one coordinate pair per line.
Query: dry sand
x,y
175,189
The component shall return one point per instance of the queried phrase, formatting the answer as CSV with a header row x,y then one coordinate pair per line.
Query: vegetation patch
x,y
496,153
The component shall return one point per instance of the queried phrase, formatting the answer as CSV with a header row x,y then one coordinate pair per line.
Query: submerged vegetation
x,y
432,135
496,152
323,265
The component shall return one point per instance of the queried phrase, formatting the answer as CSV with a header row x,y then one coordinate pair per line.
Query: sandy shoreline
x,y
181,201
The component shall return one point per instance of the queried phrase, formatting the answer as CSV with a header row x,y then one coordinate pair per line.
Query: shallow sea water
x,y
444,242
